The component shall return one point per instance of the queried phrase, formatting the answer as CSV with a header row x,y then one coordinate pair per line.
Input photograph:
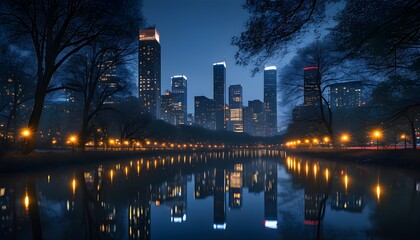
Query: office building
x,y
204,109
219,93
149,72
235,123
270,100
346,94
310,86
179,91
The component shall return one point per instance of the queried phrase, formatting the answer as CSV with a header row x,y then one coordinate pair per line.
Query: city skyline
x,y
192,39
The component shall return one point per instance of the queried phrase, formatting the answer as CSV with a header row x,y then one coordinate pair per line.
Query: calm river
x,y
244,194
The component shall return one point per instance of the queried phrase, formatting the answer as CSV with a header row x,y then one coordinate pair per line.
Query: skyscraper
x,y
149,72
179,91
204,112
310,86
270,100
235,123
219,93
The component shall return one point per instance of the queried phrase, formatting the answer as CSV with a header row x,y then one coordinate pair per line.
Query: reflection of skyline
x,y
109,187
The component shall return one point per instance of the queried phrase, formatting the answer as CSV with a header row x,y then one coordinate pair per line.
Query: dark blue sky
x,y
196,33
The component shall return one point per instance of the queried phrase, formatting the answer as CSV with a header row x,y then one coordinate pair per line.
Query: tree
x,y
17,86
273,26
95,75
54,30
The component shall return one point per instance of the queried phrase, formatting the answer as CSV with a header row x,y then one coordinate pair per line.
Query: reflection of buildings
x,y
149,72
270,195
347,202
312,203
139,213
6,213
254,176
173,194
235,187
219,200
204,184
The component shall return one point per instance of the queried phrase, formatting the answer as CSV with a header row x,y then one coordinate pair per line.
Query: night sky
x,y
194,34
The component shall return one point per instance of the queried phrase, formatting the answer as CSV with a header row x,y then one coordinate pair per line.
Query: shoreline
x,y
400,158
16,162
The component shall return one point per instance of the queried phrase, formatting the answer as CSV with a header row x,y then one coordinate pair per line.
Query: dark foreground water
x,y
230,195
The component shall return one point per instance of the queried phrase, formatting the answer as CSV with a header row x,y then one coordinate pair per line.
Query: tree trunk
x,y
413,134
34,211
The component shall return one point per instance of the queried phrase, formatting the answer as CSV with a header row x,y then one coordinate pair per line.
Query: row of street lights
x,y
344,139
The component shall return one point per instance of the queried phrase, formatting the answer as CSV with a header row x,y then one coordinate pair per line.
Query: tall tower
x,y
219,93
179,91
310,86
270,100
149,72
235,123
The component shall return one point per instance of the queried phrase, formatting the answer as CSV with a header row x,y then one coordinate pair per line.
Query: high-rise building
x,y
166,105
310,86
270,100
235,123
179,90
149,72
219,93
346,94
254,119
204,112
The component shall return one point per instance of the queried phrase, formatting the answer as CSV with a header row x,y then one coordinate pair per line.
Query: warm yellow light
x,y
111,141
73,138
307,168
73,185
326,139
26,201
25,132
377,134
315,170
345,138
126,143
327,174
315,141
126,171
378,192
298,142
403,136
54,141
346,181
111,175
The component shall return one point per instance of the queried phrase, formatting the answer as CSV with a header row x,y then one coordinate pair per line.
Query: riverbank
x,y
16,162
403,158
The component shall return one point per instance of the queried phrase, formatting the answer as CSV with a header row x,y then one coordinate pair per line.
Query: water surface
x,y
244,194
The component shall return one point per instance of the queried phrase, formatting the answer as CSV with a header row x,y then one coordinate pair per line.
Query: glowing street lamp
x,y
73,141
345,138
377,135
26,133
404,136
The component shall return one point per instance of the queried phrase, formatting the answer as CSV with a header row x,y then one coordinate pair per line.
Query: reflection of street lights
x,y
377,135
404,136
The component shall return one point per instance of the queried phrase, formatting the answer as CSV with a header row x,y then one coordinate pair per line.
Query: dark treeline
x,y
375,43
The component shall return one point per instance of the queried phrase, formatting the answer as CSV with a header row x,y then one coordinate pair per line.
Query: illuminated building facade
x,y
149,72
310,86
219,213
219,93
254,118
235,123
179,91
204,109
270,100
166,106
235,187
346,94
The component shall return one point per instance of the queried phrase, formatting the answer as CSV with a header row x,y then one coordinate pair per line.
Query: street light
x,y
25,133
327,141
404,136
377,135
73,140
345,138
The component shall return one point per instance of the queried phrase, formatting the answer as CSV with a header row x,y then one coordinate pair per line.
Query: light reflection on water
x,y
243,194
